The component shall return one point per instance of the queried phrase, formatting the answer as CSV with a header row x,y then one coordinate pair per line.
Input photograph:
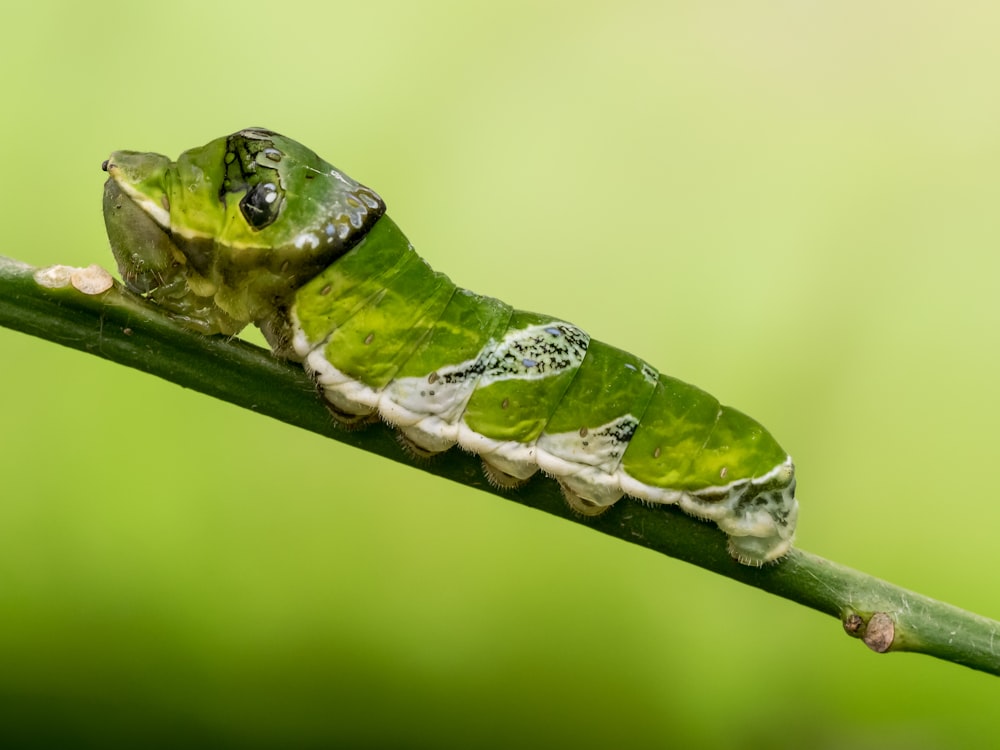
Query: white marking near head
x,y
307,238
160,215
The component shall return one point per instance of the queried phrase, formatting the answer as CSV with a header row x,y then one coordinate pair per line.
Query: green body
x,y
255,228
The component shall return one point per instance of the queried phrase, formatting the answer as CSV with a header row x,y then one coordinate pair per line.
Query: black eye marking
x,y
252,169
261,205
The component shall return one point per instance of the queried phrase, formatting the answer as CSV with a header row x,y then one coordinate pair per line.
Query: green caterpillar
x,y
256,228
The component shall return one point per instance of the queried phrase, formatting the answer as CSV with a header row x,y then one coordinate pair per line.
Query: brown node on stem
x,y
880,633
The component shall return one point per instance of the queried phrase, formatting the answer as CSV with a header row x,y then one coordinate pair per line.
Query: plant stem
x,y
120,327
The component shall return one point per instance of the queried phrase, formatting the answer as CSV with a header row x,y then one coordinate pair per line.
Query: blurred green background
x,y
790,204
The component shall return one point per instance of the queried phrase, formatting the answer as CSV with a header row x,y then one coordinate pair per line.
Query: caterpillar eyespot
x,y
256,228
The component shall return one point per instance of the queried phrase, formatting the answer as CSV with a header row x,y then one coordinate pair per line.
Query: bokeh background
x,y
791,204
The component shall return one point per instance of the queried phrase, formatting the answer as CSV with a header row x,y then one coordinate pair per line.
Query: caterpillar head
x,y
223,235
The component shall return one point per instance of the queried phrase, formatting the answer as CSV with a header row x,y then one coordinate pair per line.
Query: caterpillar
x,y
256,228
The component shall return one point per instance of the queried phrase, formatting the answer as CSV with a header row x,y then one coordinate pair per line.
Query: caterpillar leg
x,y
588,491
418,439
580,504
413,448
346,419
507,465
501,479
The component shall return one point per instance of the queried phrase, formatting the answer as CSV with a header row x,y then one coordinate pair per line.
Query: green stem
x,y
117,326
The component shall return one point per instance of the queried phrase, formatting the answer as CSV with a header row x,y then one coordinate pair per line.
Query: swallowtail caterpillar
x,y
256,228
